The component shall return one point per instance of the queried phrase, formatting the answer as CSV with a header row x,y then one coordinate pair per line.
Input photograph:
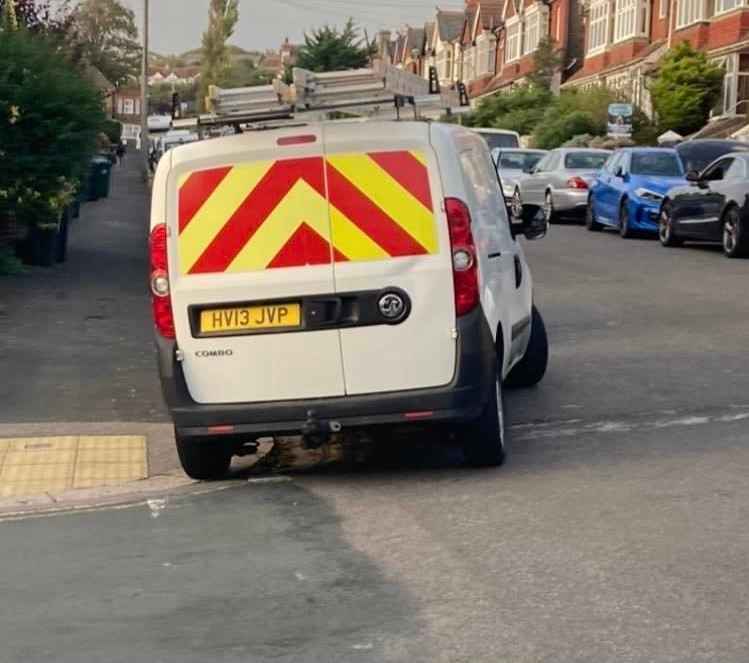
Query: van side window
x,y
482,179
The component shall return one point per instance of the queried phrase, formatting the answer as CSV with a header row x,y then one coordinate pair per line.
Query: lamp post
x,y
144,87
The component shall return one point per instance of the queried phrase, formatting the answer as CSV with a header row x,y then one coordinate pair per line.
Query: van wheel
x,y
203,459
484,439
530,370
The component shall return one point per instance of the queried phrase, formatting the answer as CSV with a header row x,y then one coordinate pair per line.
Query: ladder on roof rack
x,y
377,92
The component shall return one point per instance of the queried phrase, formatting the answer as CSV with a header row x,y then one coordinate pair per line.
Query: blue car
x,y
627,192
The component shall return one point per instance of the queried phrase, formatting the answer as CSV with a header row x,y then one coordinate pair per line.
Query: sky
x,y
264,23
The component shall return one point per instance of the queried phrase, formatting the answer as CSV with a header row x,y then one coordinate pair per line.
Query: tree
x,y
108,38
520,110
684,89
330,49
50,117
244,73
222,20
546,62
35,15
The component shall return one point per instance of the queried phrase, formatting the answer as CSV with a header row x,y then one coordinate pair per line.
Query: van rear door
x,y
390,235
249,249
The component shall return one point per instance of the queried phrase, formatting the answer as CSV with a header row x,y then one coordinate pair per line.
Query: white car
x,y
329,277
499,138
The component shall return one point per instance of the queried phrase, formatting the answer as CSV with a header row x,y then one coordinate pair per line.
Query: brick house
x,y
624,39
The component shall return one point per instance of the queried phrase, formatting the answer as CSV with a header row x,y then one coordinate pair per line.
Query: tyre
x,y
735,236
203,459
549,212
530,370
666,233
590,218
624,228
483,440
516,206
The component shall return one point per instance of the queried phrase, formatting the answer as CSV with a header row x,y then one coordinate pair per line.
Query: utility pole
x,y
144,87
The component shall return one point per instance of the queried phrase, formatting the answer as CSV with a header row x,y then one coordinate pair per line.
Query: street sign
x,y
620,120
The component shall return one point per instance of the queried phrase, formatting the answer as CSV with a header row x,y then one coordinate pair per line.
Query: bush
x,y
685,89
113,131
520,110
553,133
49,120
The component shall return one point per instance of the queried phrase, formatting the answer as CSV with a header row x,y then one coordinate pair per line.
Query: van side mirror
x,y
693,176
532,225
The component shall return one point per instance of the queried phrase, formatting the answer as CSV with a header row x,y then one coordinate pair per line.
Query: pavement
x,y
615,532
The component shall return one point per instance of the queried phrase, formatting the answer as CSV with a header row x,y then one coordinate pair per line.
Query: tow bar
x,y
317,432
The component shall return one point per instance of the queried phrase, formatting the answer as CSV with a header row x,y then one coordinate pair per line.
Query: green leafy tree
x,y
108,38
50,117
546,63
244,73
331,49
684,89
223,16
520,110
553,134
36,15
9,18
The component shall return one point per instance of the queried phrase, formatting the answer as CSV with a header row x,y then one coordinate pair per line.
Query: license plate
x,y
250,318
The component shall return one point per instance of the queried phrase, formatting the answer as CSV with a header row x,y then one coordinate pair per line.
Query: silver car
x,y
559,182
512,164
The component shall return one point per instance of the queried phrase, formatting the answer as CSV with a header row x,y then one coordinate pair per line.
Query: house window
x,y
512,50
630,19
536,28
690,11
722,6
599,26
663,8
486,50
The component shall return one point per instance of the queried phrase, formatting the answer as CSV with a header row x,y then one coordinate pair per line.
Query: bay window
x,y
630,19
723,6
690,11
598,31
512,47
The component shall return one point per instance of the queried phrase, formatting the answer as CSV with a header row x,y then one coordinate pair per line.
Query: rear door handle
x,y
494,256
518,271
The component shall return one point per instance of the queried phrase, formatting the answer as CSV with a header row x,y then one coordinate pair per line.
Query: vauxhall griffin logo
x,y
207,354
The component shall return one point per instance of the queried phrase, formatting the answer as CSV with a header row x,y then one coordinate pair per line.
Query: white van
x,y
499,138
316,279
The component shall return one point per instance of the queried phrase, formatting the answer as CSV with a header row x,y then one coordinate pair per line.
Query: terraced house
x,y
624,39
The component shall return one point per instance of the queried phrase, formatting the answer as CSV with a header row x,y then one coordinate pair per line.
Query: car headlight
x,y
650,196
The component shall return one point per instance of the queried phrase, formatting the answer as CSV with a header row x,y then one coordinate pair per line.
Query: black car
x,y
698,154
712,207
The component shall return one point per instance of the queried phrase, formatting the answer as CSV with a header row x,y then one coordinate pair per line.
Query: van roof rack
x,y
380,92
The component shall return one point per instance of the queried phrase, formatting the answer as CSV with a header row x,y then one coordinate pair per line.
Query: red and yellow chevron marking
x,y
308,211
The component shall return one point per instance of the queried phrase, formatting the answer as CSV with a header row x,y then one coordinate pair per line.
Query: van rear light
x,y
465,269
161,300
577,183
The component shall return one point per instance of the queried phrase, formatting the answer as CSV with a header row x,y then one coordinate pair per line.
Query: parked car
x,y
712,206
512,164
559,181
698,154
499,137
311,284
628,191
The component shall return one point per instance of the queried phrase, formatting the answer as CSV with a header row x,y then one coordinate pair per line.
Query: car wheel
x,y
549,212
203,459
735,240
666,233
483,440
516,206
530,370
624,228
590,217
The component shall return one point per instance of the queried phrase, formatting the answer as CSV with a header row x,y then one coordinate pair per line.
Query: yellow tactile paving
x,y
47,465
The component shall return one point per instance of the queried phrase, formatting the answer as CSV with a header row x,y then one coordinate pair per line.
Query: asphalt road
x,y
616,531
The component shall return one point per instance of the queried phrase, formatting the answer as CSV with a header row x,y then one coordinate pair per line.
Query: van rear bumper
x,y
462,400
